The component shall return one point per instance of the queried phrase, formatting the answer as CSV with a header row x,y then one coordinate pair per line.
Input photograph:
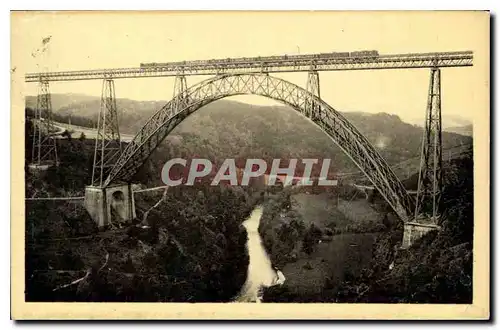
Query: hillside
x,y
448,121
233,129
168,262
62,100
462,130
192,251
436,269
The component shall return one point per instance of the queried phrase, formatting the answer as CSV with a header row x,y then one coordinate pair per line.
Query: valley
x,y
335,245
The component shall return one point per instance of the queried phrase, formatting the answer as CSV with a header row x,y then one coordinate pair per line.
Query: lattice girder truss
x,y
107,145
430,181
255,65
180,90
342,132
312,87
44,151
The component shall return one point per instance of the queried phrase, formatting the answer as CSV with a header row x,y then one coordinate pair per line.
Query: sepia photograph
x,y
334,164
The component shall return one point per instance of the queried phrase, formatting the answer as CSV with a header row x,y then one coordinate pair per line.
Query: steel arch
x,y
341,131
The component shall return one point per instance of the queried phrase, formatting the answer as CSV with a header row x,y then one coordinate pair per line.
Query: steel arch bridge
x,y
341,131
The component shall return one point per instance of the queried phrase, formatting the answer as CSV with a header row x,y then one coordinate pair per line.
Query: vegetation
x,y
232,129
293,222
436,269
281,230
192,249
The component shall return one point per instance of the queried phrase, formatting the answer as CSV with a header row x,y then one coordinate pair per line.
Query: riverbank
x,y
369,267
194,250
330,263
318,241
260,271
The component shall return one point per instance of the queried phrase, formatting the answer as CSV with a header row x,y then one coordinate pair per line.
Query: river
x,y
260,271
343,253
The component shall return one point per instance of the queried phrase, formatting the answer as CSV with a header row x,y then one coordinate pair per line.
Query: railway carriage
x,y
356,55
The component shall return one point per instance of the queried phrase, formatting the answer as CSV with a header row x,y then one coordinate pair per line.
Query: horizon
x,y
83,41
457,120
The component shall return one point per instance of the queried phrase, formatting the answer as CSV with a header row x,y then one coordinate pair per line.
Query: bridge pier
x,y
108,146
44,151
312,86
430,179
414,230
110,205
180,91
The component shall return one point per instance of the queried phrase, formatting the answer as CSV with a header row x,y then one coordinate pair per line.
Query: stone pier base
x,y
110,205
414,230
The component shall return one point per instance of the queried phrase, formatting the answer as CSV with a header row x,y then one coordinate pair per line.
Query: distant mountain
x,y
132,114
62,100
448,121
451,121
462,130
233,129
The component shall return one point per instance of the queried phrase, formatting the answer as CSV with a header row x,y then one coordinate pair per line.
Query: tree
x,y
66,134
82,136
311,237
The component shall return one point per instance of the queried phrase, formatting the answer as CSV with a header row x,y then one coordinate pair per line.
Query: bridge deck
x,y
295,63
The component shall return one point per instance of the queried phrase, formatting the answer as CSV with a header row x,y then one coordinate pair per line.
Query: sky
x,y
81,41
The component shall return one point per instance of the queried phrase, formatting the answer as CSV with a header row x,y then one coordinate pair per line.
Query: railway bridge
x,y
114,167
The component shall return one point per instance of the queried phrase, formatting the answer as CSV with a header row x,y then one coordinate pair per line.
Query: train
x,y
357,55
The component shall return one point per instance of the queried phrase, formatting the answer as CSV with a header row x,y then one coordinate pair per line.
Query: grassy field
x,y
346,253
318,209
359,210
322,210
340,254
